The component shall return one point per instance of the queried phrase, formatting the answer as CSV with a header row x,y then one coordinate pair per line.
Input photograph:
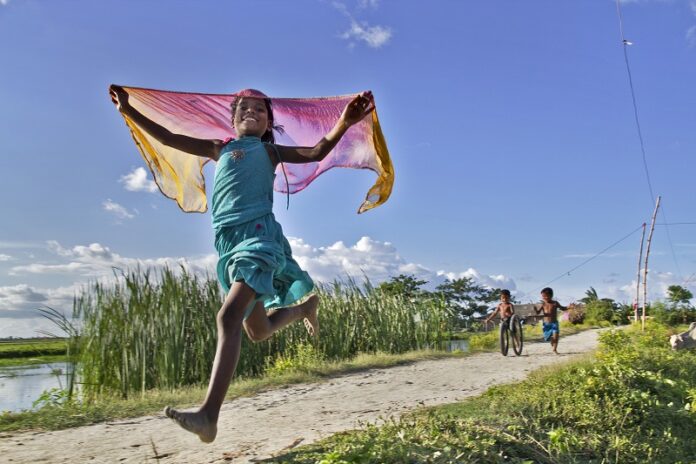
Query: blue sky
x,y
510,126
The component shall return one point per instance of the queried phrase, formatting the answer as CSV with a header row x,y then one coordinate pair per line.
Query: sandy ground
x,y
252,429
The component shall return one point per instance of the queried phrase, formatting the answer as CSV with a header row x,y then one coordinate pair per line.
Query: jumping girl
x,y
265,286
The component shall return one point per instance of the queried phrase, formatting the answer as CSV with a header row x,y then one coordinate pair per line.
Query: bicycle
x,y
511,328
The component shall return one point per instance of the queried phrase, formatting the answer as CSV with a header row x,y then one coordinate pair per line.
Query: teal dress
x,y
250,243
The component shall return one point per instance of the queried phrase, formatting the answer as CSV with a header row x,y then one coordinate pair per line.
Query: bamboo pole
x,y
647,254
640,258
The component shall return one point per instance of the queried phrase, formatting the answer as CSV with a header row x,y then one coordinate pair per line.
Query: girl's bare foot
x,y
311,320
195,422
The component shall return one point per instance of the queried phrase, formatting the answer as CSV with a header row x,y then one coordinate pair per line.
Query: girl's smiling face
x,y
251,117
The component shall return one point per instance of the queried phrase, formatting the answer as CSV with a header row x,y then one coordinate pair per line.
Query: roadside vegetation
x,y
633,402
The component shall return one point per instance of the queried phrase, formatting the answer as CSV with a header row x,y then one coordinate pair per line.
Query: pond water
x,y
20,386
455,345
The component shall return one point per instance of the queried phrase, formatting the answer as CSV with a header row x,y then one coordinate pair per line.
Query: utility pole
x,y
640,258
647,254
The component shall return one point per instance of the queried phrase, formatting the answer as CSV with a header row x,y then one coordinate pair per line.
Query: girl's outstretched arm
x,y
354,112
205,148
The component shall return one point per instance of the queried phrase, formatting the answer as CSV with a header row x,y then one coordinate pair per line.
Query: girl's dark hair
x,y
268,137
547,291
505,292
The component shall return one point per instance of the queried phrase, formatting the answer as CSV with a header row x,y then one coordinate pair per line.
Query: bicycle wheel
x,y
517,334
504,338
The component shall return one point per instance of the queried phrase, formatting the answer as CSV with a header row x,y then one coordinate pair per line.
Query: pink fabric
x,y
305,121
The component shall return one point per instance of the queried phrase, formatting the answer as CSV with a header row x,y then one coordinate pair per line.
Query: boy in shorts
x,y
549,307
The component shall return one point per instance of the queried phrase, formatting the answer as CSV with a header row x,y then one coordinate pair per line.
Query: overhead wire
x,y
596,255
626,43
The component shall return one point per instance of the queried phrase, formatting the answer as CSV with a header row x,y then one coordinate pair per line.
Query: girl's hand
x,y
118,96
358,108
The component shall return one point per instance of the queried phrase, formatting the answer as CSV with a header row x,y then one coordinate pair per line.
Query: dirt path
x,y
255,428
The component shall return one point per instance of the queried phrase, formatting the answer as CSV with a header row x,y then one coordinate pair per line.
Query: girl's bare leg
x,y
203,422
554,342
260,325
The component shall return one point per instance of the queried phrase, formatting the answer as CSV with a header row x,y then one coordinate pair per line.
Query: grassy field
x,y
26,348
32,351
634,402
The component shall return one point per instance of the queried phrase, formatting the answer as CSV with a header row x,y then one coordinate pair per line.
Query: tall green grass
x,y
157,330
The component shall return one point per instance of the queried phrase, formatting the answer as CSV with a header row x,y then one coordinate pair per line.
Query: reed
x,y
157,330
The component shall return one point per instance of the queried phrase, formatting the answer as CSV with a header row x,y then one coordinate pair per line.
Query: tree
x,y
590,296
407,286
678,309
603,309
678,294
463,297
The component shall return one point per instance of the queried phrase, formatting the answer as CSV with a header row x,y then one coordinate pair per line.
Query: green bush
x,y
576,313
599,310
484,340
302,357
672,314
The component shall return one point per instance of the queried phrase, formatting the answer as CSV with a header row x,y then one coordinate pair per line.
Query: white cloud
x,y
86,264
91,251
19,304
658,282
97,260
691,32
137,181
119,211
27,327
5,257
378,261
15,295
368,3
373,36
4,2
14,245
492,281
691,36
68,268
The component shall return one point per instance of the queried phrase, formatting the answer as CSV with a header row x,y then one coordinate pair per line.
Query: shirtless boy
x,y
550,308
504,308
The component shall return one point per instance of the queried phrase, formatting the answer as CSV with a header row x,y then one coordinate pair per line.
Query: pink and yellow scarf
x,y
179,175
